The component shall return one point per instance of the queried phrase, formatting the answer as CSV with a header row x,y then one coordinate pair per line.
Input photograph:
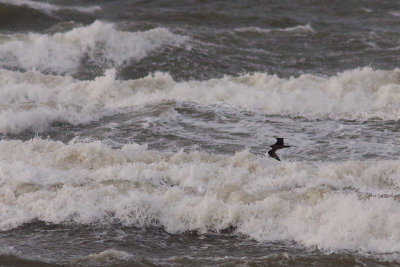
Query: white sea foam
x,y
32,100
9,250
366,10
63,52
298,28
49,8
109,256
350,205
394,13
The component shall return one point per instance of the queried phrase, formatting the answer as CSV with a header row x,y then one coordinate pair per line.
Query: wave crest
x,y
299,28
99,42
49,8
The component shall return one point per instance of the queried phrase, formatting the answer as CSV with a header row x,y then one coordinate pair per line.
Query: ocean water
x,y
134,133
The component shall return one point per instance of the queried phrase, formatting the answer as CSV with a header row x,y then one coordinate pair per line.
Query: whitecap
x,y
99,42
109,256
49,8
298,28
32,100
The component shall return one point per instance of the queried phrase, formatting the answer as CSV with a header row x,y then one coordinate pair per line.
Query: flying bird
x,y
278,145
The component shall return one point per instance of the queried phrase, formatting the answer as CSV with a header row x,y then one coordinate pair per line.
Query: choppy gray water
x,y
135,132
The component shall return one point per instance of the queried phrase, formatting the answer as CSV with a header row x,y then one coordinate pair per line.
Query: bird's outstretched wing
x,y
272,154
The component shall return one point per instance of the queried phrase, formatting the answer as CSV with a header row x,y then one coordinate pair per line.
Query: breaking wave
x,y
349,205
49,8
32,100
64,52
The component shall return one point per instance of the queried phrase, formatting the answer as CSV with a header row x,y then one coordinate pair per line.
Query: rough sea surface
x,y
134,133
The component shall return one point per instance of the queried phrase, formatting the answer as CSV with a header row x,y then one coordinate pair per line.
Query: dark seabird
x,y
278,145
